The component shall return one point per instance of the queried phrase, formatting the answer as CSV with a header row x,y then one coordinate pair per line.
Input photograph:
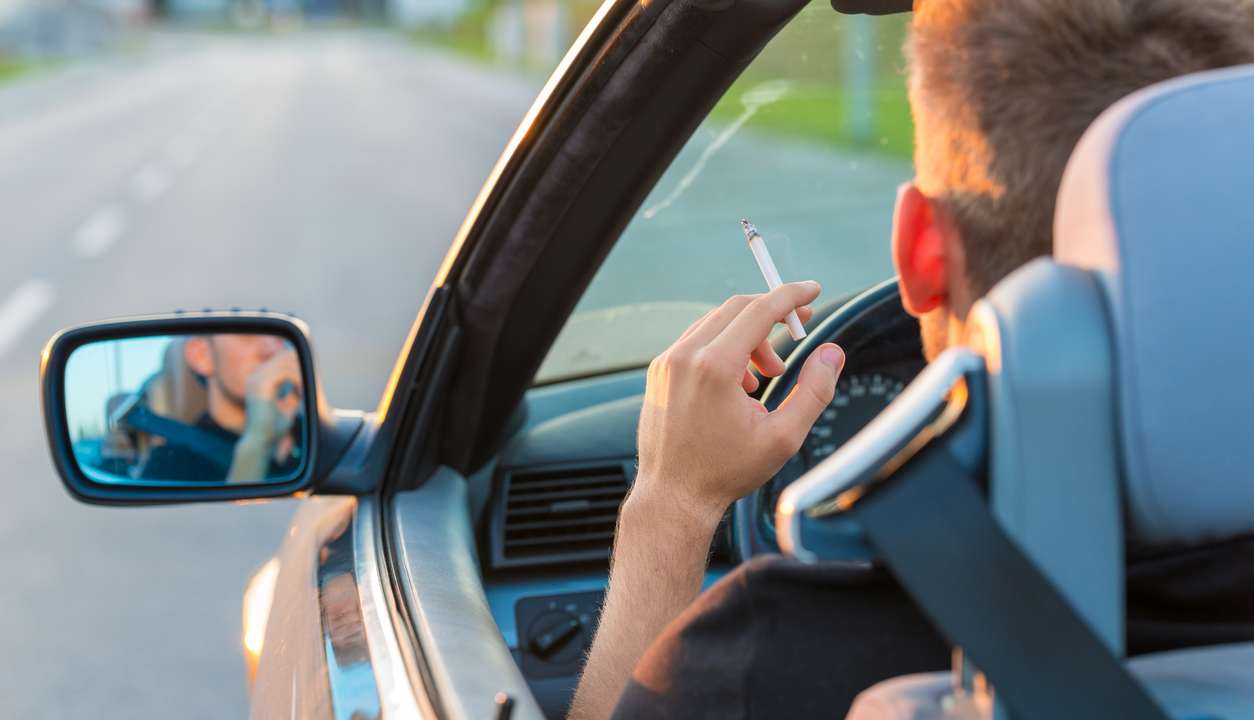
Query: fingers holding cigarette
x,y
770,273
749,328
764,359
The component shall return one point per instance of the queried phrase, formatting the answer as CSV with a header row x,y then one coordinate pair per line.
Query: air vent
x,y
559,515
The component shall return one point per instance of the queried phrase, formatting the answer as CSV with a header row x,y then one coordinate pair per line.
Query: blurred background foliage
x,y
844,79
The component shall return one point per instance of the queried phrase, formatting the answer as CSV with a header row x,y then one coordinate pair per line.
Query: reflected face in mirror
x,y
200,409
239,367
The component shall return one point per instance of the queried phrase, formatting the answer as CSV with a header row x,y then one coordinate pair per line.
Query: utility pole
x,y
860,78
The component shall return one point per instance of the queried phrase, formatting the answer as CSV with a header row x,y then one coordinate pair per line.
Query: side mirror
x,y
182,408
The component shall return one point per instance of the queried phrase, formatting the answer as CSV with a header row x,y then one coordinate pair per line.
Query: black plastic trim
x,y
626,117
500,501
873,7
336,431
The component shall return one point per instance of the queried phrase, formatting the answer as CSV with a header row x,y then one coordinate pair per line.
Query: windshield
x,y
810,144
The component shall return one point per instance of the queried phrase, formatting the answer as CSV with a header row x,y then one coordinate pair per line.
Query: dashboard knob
x,y
552,632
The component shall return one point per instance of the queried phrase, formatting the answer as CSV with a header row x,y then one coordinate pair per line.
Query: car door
x,y
627,98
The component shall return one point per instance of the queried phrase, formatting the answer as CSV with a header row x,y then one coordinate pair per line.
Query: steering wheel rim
x,y
748,537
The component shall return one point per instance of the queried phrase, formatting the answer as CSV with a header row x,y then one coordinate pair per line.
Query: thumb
x,y
813,392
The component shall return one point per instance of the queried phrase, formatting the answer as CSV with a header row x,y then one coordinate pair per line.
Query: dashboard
x,y
546,507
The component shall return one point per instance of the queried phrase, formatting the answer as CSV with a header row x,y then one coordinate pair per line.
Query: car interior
x,y
1090,443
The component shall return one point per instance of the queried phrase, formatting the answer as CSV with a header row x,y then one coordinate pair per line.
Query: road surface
x,y
319,173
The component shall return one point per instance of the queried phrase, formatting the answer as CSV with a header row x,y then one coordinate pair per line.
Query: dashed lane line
x,y
21,309
151,182
100,231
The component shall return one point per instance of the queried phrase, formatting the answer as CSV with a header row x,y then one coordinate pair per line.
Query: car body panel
x,y
292,678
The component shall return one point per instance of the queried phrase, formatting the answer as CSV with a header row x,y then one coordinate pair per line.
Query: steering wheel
x,y
883,353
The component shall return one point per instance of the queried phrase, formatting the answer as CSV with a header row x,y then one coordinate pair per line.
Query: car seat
x,y
1117,391
174,392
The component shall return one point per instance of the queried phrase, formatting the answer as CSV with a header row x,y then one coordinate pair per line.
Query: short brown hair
x,y
1001,91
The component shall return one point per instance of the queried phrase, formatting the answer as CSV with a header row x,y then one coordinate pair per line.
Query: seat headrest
x,y
1157,202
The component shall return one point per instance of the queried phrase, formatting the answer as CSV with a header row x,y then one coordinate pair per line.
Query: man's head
x,y
226,361
1001,91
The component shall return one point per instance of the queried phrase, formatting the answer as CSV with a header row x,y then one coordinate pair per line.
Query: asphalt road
x,y
319,173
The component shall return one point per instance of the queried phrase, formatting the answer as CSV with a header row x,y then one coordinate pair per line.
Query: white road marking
x,y
101,230
151,182
21,309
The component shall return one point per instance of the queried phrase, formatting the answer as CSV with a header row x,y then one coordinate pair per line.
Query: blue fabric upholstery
x,y
1214,683
1157,202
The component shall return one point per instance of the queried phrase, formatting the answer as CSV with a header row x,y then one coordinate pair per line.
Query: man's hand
x,y
703,443
272,398
280,370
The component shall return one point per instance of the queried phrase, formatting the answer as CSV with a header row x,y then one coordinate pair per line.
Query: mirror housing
x,y
327,433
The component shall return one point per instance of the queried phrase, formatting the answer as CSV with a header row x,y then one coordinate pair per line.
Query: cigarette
x,y
771,273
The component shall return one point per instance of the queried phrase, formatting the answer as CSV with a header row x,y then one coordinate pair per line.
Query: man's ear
x,y
197,354
919,252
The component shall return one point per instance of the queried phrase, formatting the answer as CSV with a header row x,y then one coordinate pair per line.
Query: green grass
x,y
11,67
818,111
812,55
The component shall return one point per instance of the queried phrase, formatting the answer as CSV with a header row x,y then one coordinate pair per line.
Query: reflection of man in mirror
x,y
253,392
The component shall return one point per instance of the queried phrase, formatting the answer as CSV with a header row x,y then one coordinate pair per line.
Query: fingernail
x,y
813,283
832,356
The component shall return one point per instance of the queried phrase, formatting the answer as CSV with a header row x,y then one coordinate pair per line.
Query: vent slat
x,y
563,494
528,484
544,511
562,539
567,521
561,514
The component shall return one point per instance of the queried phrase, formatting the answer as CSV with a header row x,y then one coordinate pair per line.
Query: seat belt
x,y
214,449
933,526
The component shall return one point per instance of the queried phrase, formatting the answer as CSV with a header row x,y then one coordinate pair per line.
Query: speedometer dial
x,y
859,398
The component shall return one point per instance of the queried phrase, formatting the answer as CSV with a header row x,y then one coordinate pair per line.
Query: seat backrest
x,y
1156,204
175,391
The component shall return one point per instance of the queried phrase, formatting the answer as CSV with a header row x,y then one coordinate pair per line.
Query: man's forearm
x,y
660,552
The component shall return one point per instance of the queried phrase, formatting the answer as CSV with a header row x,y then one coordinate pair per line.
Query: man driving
x,y
253,389
1000,92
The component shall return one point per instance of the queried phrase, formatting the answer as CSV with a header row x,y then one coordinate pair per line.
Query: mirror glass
x,y
191,410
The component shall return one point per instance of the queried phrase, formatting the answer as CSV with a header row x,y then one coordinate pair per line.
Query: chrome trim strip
x,y
395,691
857,461
350,676
432,541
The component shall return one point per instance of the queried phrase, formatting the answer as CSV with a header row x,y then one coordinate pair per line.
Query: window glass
x,y
810,144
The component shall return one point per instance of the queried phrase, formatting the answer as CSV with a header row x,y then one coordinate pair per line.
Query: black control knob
x,y
551,633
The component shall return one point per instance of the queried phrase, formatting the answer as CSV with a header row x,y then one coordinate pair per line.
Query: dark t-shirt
x,y
779,639
210,460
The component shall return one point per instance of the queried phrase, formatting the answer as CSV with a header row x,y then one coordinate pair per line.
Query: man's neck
x,y
227,414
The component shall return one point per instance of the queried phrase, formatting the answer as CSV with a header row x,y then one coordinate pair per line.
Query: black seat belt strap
x,y
933,526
